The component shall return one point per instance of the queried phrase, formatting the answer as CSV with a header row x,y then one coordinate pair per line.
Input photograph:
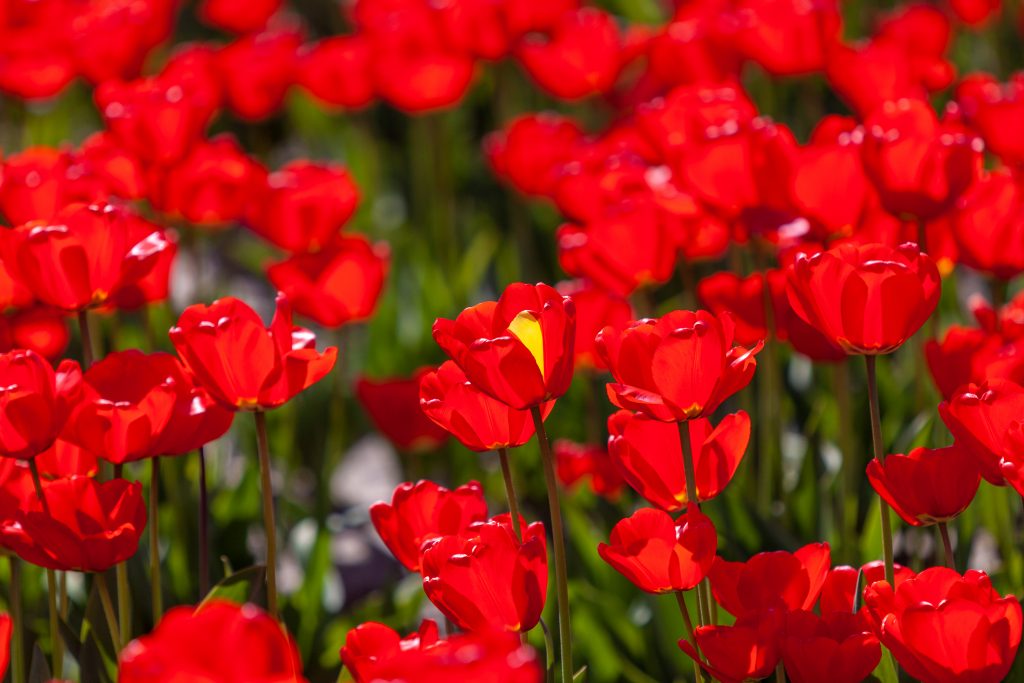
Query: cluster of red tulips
x,y
706,245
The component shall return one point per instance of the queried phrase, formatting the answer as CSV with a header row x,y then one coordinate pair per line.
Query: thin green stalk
x,y
510,492
849,474
703,596
558,538
108,610
780,673
690,635
947,546
268,511
204,529
17,617
876,441
51,583
769,428
86,334
155,582
124,596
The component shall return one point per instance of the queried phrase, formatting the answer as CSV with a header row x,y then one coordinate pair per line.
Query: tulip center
x,y
526,328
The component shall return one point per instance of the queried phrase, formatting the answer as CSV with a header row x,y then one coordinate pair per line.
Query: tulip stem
x,y
124,598
769,428
780,673
999,288
86,334
18,636
876,442
848,474
510,492
558,538
108,610
947,546
156,584
268,511
51,582
689,473
691,637
204,529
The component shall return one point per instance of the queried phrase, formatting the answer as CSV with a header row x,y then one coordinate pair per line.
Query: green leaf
x,y
885,672
241,587
39,671
580,676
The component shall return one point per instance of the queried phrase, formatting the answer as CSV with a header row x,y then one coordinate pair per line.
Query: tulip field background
x,y
456,233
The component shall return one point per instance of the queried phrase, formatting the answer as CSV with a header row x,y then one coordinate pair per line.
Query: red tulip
x,y
992,108
35,402
989,225
649,455
424,511
64,459
189,645
16,488
968,354
110,167
595,308
371,644
919,165
834,154
926,486
785,37
581,56
238,17
980,416
485,579
157,249
87,526
975,13
868,299
530,152
748,650
394,407
241,363
575,462
197,418
771,580
336,71
257,70
834,647
38,182
519,349
480,422
36,52
678,367
840,587
660,555
40,329
943,627
112,39
304,205
6,627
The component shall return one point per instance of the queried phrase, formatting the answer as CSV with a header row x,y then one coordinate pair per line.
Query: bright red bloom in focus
x,y
980,417
519,349
678,367
868,299
35,402
944,628
243,364
648,453
659,554
424,511
840,587
595,308
480,422
581,56
394,406
575,462
90,526
257,70
233,16
189,645
748,650
771,580
835,647
926,486
485,579
197,418
372,644
989,225
992,108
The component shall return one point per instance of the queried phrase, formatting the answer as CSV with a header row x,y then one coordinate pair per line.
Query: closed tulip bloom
x,y
35,402
531,151
748,650
576,462
40,328
595,308
336,71
480,422
678,367
257,70
649,454
238,17
87,526
926,486
980,417
423,511
394,407
519,349
868,299
838,593
771,580
659,554
992,108
946,628
337,285
243,364
834,647
485,579
786,38
371,644
989,225
189,645
485,657
81,258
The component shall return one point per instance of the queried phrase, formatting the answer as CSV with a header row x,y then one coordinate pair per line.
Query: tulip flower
x,y
595,308
679,367
235,17
531,151
980,417
157,248
371,644
970,355
257,70
748,650
771,580
394,407
485,579
303,206
337,285
241,363
574,462
110,168
769,29
838,593
486,657
991,108
40,328
65,459
834,647
649,454
35,402
197,419
660,555
190,643
943,627
988,225
580,57
336,71
926,486
6,627
423,511
37,183
86,525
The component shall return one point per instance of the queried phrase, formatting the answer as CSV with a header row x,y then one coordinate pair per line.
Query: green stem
x,y
876,442
510,492
156,584
558,538
947,546
17,616
848,476
268,511
204,529
689,472
780,673
769,434
108,610
51,583
86,335
124,597
698,674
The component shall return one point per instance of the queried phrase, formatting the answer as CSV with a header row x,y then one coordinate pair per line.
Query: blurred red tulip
x,y
485,579
785,37
188,644
86,526
238,16
37,183
579,57
678,367
6,627
750,649
39,328
103,160
943,627
243,364
424,511
35,53
257,70
839,590
394,407
65,459
35,402
969,354
336,71
975,13
989,225
595,308
659,554
993,108
371,644
519,349
830,187
834,647
110,39
575,462
926,486
771,580
531,150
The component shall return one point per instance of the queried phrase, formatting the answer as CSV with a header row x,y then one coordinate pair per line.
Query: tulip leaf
x,y
580,676
39,670
241,587
885,672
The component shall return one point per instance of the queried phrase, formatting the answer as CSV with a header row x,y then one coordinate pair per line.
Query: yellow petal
x,y
526,328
